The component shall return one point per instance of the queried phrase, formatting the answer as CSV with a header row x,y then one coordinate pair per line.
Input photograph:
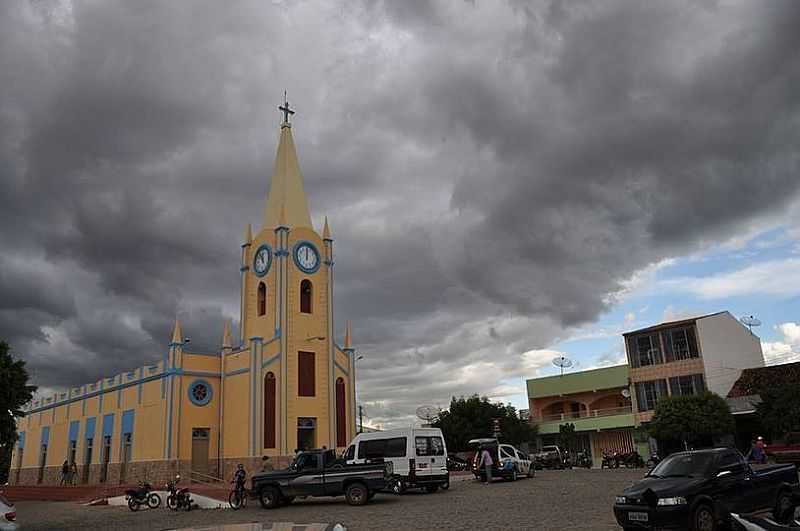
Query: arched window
x,y
306,292
341,416
269,410
262,299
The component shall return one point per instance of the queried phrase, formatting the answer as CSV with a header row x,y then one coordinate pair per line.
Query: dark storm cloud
x,y
492,172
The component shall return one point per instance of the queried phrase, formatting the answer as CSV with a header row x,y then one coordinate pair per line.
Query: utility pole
x,y
360,419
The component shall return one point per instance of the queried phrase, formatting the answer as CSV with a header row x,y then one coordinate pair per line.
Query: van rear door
x,y
430,454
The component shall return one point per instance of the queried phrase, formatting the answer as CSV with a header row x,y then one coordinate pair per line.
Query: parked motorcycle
x,y
144,495
610,460
178,498
632,460
583,460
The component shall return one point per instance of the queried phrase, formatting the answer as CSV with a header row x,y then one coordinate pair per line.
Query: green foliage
x,y
691,418
779,410
567,438
14,393
471,418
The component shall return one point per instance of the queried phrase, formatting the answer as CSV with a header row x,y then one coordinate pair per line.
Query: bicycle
x,y
238,496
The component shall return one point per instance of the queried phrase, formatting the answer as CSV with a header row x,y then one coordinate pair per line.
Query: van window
x,y
350,453
429,446
506,452
395,447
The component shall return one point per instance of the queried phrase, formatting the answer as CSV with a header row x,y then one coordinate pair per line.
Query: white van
x,y
418,455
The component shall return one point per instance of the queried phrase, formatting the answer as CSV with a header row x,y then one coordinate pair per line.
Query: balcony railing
x,y
592,413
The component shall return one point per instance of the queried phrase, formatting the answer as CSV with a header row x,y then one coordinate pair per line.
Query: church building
x,y
288,385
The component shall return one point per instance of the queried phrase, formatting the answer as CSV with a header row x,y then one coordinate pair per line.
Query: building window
x,y
687,385
647,351
648,393
262,299
200,392
680,344
341,416
306,374
269,410
306,291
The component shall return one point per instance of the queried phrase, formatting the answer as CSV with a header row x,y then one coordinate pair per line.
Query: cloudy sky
x,y
505,181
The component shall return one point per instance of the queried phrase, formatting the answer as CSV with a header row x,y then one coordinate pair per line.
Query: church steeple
x,y
286,190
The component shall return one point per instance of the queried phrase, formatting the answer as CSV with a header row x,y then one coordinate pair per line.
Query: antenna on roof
x,y
750,322
428,414
563,362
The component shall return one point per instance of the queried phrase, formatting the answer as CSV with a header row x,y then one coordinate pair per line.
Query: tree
x,y
691,419
471,418
779,410
14,393
567,438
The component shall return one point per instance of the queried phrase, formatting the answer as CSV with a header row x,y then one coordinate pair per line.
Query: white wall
x,y
727,347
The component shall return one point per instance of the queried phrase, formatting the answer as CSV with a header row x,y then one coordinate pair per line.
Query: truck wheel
x,y
703,518
269,497
784,508
356,494
445,485
397,486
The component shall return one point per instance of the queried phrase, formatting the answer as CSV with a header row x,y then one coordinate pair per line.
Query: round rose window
x,y
200,392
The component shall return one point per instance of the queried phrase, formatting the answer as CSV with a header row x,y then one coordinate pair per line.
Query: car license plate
x,y
637,517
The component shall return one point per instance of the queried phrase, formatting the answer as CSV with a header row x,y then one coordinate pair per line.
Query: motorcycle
x,y
144,495
178,498
632,460
653,461
583,460
610,460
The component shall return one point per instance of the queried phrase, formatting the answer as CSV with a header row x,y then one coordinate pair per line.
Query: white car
x,y
8,515
508,462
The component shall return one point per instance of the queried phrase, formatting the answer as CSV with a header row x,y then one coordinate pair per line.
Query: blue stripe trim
x,y
88,432
211,354
346,371
74,428
271,360
45,435
243,370
21,440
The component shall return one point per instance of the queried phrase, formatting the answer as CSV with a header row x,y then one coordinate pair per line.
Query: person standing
x,y
73,473
64,473
761,450
266,464
486,462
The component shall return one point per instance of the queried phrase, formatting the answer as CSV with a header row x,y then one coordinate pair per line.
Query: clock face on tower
x,y
262,260
306,257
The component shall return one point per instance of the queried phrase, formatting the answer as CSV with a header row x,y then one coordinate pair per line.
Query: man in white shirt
x,y
486,462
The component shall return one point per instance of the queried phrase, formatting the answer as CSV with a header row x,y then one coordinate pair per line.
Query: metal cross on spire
x,y
285,108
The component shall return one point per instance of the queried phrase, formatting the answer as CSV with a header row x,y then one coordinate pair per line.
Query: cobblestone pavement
x,y
558,500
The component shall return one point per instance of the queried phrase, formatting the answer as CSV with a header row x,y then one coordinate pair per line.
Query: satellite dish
x,y
750,322
427,413
626,393
563,362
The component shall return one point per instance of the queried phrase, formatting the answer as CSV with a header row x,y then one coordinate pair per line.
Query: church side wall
x,y
135,395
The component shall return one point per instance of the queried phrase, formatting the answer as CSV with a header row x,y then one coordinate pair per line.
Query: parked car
x,y
418,456
507,462
786,449
8,515
699,490
550,456
318,473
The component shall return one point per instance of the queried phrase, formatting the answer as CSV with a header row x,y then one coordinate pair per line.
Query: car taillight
x,y
11,516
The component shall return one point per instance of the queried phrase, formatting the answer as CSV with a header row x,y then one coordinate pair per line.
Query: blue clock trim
x,y
297,246
200,392
269,260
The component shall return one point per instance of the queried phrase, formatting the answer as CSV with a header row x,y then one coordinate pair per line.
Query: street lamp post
x,y
355,388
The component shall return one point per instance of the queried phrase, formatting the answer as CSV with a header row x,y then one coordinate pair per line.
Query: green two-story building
x,y
596,401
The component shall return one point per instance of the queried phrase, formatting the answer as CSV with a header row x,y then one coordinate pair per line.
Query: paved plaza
x,y
568,499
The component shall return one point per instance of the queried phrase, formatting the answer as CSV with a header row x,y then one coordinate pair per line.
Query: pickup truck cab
x,y
699,490
319,473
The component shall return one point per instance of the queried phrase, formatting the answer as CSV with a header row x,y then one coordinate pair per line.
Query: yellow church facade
x,y
288,385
